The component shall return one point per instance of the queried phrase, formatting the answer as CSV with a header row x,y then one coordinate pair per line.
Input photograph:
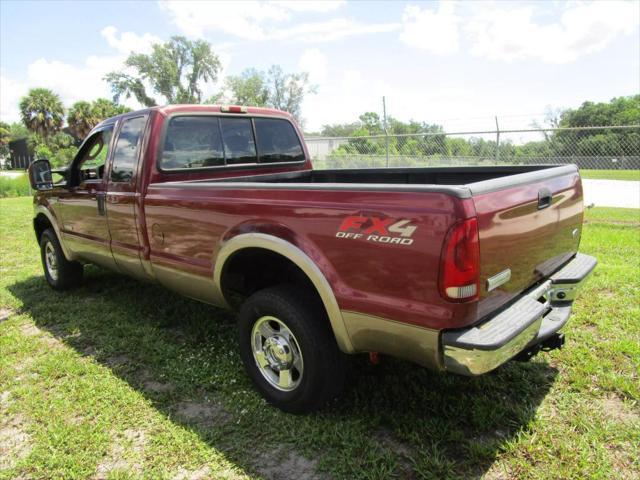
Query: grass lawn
x,y
611,174
120,379
14,186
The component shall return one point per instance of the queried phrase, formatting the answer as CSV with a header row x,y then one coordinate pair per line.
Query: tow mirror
x,y
40,175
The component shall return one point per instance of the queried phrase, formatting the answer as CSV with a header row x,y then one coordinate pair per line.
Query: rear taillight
x,y
460,262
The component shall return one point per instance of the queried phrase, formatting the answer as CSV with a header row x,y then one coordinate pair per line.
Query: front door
x,y
82,203
122,201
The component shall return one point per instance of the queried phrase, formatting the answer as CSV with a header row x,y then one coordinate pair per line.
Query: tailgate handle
x,y
544,198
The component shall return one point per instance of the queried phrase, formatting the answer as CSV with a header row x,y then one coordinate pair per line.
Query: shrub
x,y
14,186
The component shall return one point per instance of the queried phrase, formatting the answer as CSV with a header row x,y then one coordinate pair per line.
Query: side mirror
x,y
40,175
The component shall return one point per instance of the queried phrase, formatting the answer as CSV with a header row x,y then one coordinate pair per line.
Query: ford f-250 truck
x,y
456,269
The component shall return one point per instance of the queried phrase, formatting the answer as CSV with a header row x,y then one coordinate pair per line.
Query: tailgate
x,y
529,225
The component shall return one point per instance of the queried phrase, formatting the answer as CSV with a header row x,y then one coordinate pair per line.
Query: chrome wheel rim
x,y
51,261
277,353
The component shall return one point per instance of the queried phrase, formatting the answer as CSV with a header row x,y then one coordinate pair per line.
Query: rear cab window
x,y
206,141
277,141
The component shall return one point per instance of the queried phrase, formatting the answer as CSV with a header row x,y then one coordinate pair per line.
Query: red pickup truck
x,y
457,269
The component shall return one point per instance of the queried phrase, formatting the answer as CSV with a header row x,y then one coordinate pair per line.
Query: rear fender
x,y
299,258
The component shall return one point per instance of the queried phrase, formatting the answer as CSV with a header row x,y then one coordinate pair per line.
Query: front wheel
x,y
288,349
60,273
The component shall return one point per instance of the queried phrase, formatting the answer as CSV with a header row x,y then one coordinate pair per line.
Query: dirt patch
x,y
615,409
280,465
23,366
202,473
5,399
152,384
89,351
202,413
118,360
30,330
403,452
15,443
125,455
156,387
622,461
498,472
5,313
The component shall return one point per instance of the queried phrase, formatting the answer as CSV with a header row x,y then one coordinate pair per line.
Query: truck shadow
x,y
394,418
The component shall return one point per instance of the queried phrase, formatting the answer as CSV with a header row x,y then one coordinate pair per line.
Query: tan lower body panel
x,y
187,284
369,333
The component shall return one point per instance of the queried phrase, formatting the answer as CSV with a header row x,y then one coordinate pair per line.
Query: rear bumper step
x,y
534,318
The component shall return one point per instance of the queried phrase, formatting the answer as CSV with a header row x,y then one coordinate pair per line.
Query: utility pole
x,y
384,124
497,141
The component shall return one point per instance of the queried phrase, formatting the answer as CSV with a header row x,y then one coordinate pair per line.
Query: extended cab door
x,y
122,197
81,203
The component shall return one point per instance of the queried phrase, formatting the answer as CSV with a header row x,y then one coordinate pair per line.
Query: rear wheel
x,y
288,349
60,273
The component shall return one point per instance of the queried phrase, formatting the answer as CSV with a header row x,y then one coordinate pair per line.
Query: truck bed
x,y
516,233
475,180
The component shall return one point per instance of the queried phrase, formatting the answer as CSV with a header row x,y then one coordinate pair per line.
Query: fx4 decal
x,y
374,229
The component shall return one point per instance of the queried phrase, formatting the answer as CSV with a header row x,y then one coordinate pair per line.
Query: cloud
x,y
435,31
331,30
266,20
74,82
241,19
351,93
317,6
314,62
508,34
10,94
129,41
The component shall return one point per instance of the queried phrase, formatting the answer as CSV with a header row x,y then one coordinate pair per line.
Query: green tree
x,y
339,130
104,108
174,69
371,122
81,119
287,90
5,138
249,88
273,89
42,112
17,131
83,116
600,142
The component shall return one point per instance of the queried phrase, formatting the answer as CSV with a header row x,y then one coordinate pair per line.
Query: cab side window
x,y
125,154
94,155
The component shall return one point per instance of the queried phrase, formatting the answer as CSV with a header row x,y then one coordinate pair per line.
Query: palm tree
x,y
82,118
104,108
42,111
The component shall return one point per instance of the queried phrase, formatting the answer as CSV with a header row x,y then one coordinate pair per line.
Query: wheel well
x,y
40,224
253,269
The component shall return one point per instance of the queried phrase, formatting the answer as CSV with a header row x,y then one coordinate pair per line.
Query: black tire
x,y
66,274
304,315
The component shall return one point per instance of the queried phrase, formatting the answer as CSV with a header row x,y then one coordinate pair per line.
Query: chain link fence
x,y
588,147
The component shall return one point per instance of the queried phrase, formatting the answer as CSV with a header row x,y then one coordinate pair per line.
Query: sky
x,y
458,64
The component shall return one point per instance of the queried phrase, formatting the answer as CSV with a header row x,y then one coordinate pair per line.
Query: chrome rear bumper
x,y
536,316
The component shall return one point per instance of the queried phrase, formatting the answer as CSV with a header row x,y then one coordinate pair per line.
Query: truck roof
x,y
196,108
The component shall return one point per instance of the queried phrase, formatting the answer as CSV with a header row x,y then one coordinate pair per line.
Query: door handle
x,y
100,196
544,198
